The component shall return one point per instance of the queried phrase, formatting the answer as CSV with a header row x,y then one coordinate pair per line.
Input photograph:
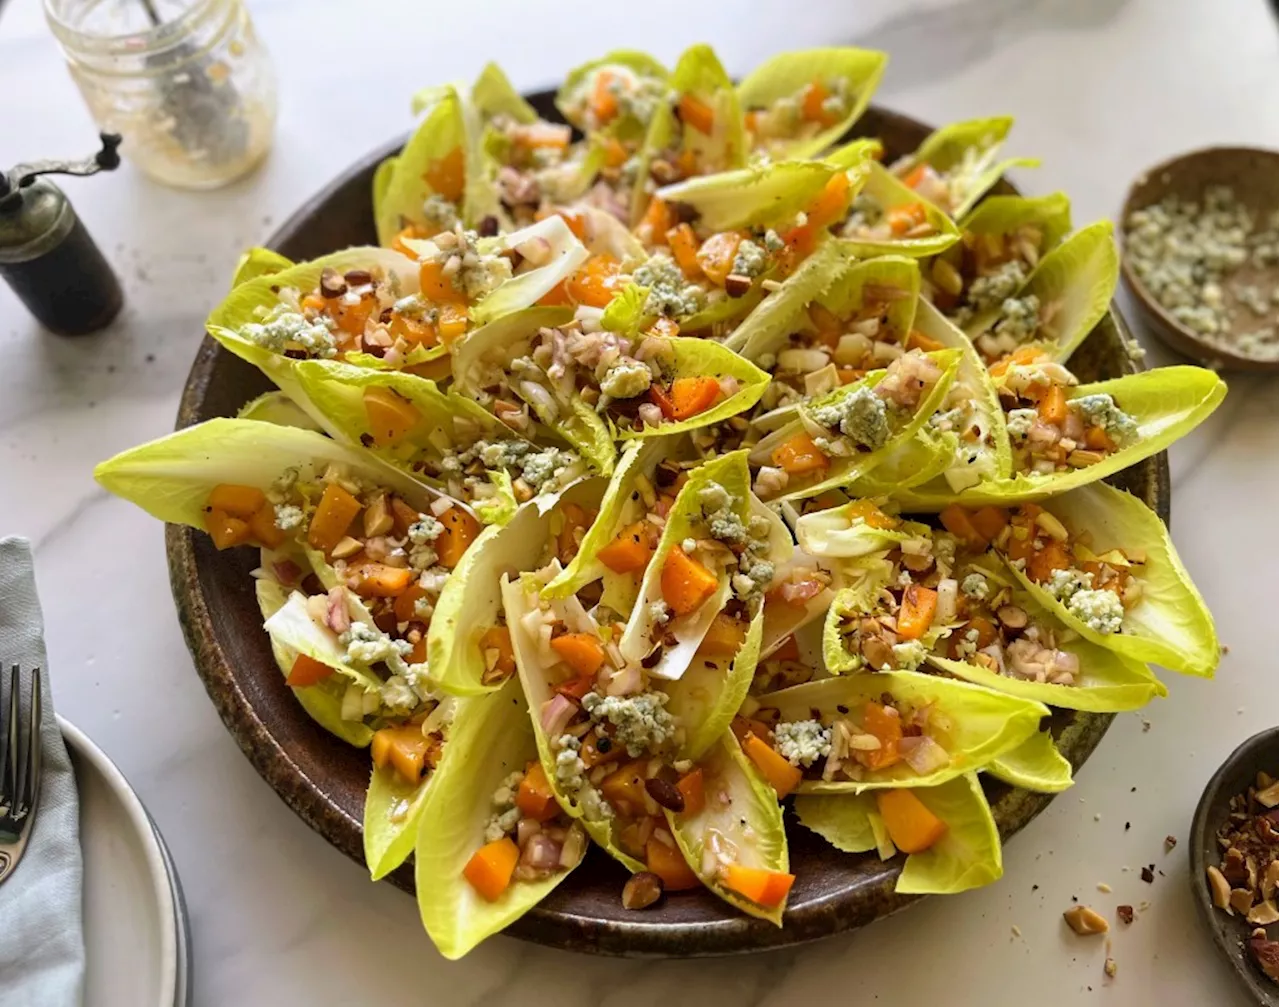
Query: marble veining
x,y
1101,88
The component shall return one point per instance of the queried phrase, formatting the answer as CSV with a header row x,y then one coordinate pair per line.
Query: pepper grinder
x,y
46,255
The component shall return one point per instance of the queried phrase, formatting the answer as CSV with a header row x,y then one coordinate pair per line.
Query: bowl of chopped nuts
x,y
1233,862
1200,255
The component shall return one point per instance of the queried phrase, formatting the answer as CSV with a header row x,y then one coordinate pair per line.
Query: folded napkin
x,y
41,927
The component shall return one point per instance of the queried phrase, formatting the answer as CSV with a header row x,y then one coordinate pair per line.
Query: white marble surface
x,y
1101,89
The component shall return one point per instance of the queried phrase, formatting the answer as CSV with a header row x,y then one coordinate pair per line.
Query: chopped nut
x,y
1085,921
347,547
1080,459
1109,967
1125,913
1148,875
1267,796
1271,879
1051,526
1241,900
1219,888
1265,953
642,890
665,793
358,277
331,284
737,285
377,517
1012,616
1263,914
1169,843
1104,887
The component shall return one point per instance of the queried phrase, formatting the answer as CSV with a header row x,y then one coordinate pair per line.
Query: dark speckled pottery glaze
x,y
324,781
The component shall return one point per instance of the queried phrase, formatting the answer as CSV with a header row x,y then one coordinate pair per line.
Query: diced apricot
x,y
800,456
448,175
225,530
829,327
405,607
351,316
460,530
745,727
917,340
490,868
788,650
724,636
576,688
576,520
411,232
414,331
604,103
238,501
263,527
496,642
697,113
912,827
692,788
419,653
307,671
669,864
886,725
630,551
596,283
403,748
1052,557
915,176
656,222
715,257
868,513
684,250
780,774
624,788
691,396
377,580
557,296
333,516
534,797
1053,405
902,219
391,415
437,287
686,583
916,615
989,522
666,328
615,153
402,516
811,99
582,652
1096,439
959,522
830,204
765,888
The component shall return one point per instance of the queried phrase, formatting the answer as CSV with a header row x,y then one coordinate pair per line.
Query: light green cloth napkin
x,y
41,923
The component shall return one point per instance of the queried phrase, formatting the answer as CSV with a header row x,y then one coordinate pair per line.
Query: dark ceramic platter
x,y
324,780
1257,755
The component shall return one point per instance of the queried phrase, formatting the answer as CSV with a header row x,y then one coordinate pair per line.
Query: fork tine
x,y
31,782
19,750
9,742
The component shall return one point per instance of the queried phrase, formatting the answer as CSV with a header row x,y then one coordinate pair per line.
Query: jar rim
x,y
156,38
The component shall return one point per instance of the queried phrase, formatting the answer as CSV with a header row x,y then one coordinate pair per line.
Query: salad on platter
x,y
682,460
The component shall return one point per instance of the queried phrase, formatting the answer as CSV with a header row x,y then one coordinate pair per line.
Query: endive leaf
x,y
767,196
966,152
748,816
972,724
1167,403
278,408
637,74
1005,214
685,520
491,738
784,310
442,135
493,95
1036,765
1169,624
886,193
393,810
258,262
785,76
967,856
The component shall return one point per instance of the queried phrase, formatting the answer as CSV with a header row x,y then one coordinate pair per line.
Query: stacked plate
x,y
135,921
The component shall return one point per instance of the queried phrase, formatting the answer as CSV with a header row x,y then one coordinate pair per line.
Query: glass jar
x,y
186,82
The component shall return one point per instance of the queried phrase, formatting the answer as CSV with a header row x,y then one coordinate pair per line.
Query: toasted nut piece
x,y
331,283
347,547
1085,921
1241,900
864,743
1271,879
377,517
1083,459
1263,914
663,172
357,277
1109,967
1051,526
946,277
1219,889
1012,616
737,285
1265,953
1233,867
1268,795
1125,913
665,793
877,652
642,890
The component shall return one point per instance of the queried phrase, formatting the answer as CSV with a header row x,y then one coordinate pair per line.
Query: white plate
x,y
135,954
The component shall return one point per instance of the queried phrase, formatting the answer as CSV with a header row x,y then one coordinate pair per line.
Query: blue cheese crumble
x,y
861,415
283,328
368,645
571,779
288,516
1100,610
1102,411
750,260
909,656
975,586
506,816
626,379
670,294
1019,318
1019,423
986,292
641,722
802,742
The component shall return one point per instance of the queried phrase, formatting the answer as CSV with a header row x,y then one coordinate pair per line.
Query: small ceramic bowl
x,y
1230,933
1252,175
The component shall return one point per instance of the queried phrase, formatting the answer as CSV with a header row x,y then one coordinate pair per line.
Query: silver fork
x,y
19,774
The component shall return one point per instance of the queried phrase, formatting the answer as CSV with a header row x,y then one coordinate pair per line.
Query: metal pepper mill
x,y
47,256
